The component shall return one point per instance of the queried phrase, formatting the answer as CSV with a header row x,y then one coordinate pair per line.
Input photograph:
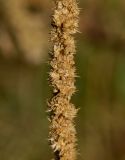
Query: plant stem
x,y
62,133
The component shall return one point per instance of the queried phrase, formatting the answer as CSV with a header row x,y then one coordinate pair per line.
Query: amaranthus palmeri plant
x,y
62,133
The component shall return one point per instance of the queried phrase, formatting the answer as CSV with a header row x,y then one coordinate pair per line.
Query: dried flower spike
x,y
62,133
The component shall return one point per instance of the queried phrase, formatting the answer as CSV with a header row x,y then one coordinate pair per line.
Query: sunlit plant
x,y
62,133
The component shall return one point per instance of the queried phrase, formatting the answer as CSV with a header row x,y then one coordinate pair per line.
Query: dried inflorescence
x,y
62,134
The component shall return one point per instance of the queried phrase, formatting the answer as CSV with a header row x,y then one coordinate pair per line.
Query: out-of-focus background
x,y
100,60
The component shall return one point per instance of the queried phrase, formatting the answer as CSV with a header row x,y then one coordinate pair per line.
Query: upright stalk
x,y
62,134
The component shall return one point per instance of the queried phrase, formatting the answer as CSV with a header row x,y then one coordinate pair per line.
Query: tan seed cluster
x,y
62,134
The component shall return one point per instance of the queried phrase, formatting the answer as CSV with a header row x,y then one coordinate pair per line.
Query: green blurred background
x,y
24,90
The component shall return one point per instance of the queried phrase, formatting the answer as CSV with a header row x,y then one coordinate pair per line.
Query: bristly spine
x,y
62,133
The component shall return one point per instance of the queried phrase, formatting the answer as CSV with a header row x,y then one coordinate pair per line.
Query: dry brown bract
x,y
62,134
